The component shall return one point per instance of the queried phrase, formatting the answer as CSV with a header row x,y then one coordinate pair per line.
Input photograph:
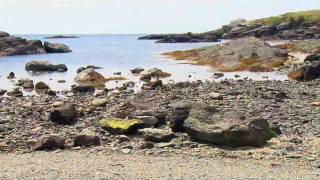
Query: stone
x,y
215,96
149,121
153,85
58,103
122,138
41,86
15,92
11,75
66,114
157,135
87,138
179,115
87,67
56,48
120,126
206,123
136,70
218,75
99,102
154,73
83,89
25,83
90,77
306,73
43,66
51,142
2,92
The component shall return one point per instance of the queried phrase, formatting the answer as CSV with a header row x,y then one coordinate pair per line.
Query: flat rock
x,y
206,123
157,135
120,126
87,138
41,66
50,143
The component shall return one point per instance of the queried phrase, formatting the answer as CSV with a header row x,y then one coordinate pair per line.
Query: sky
x,y
135,16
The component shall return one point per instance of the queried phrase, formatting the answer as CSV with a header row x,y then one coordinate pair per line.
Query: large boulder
x,y
56,48
41,86
39,66
66,114
120,126
306,73
206,123
90,77
10,45
244,54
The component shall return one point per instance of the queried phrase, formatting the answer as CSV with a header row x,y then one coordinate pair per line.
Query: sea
x,y
114,53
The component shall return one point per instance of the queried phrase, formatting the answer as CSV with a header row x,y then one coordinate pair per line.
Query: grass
x,y
309,17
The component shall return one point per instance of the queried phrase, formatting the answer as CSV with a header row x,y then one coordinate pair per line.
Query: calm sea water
x,y
114,53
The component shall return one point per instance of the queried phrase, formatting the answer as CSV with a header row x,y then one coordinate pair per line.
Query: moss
x,y
116,79
120,126
308,17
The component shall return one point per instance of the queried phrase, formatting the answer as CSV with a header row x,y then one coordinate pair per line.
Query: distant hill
x,y
293,25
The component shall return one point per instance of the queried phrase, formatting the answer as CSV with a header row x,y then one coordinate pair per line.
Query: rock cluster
x,y
11,45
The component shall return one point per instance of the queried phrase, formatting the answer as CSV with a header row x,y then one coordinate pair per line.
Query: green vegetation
x,y
294,18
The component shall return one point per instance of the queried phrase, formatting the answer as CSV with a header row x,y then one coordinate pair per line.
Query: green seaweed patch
x,y
120,126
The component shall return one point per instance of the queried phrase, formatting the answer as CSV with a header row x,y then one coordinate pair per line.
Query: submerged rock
x,y
56,48
90,77
83,89
120,126
206,123
61,37
65,114
39,66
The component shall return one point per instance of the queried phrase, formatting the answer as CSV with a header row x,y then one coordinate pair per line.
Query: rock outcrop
x,y
62,37
297,25
251,54
206,123
11,45
40,66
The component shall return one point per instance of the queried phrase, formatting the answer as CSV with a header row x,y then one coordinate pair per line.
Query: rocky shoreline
x,y
296,25
291,108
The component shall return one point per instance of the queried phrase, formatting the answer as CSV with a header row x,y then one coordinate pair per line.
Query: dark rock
x,y
206,123
179,115
307,72
50,143
41,86
39,66
2,92
15,92
61,37
11,75
312,57
10,45
136,70
149,121
56,48
218,75
87,67
65,114
153,85
25,83
83,89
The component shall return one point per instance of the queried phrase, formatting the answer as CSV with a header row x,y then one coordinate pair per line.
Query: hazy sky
x,y
135,16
